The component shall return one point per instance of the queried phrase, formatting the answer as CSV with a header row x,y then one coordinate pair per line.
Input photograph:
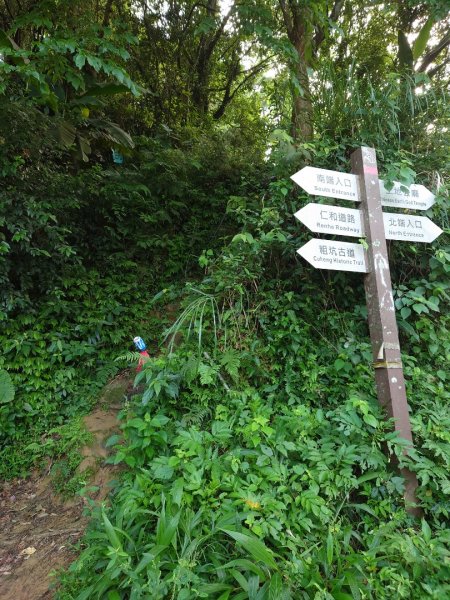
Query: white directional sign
x,y
331,219
333,184
415,197
410,228
339,256
336,220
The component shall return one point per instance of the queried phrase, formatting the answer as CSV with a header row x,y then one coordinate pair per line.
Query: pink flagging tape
x,y
370,170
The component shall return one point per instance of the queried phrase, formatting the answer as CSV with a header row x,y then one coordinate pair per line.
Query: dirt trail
x,y
37,528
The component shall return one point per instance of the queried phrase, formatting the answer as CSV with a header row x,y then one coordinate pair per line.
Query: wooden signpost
x,y
363,185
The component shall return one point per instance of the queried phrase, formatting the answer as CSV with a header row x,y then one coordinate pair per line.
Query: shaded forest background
x,y
145,156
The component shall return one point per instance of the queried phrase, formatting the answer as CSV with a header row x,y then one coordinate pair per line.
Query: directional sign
x,y
415,197
409,228
362,185
332,184
336,220
338,256
331,219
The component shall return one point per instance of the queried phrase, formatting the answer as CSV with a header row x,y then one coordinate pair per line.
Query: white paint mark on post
x,y
381,265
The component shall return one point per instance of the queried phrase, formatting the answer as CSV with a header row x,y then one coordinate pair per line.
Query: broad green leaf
x,y
94,62
5,42
255,547
66,133
7,390
214,588
405,312
370,420
159,420
369,476
246,565
146,559
177,491
113,132
275,587
106,89
342,596
240,579
167,528
113,440
426,531
422,39
79,60
330,547
111,532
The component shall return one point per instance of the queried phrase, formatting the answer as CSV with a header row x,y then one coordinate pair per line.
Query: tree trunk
x,y
200,88
302,110
297,20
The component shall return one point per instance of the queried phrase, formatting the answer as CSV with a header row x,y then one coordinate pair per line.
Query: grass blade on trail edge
x,y
111,532
255,547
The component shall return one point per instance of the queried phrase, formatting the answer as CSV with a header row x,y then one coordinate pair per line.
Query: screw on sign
x,y
363,185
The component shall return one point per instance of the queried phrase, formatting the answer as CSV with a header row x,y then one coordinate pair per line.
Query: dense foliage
x,y
269,430
145,154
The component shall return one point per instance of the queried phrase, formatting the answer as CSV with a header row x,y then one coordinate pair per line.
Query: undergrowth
x,y
60,356
259,463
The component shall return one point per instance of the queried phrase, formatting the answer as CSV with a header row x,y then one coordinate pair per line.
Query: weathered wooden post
x,y
387,359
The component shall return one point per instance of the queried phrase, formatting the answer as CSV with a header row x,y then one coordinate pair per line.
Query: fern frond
x,y
131,357
231,362
196,417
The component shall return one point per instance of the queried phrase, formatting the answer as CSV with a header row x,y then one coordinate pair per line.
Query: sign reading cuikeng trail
x,y
337,256
371,258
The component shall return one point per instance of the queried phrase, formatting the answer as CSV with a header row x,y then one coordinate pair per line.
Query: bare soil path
x,y
38,528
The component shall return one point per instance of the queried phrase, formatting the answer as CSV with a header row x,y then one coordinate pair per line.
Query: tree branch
x,y
434,52
107,13
287,17
228,96
213,42
432,72
333,16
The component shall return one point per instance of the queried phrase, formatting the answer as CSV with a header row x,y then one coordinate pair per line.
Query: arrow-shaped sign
x,y
324,218
410,228
333,184
335,220
414,197
338,256
323,182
